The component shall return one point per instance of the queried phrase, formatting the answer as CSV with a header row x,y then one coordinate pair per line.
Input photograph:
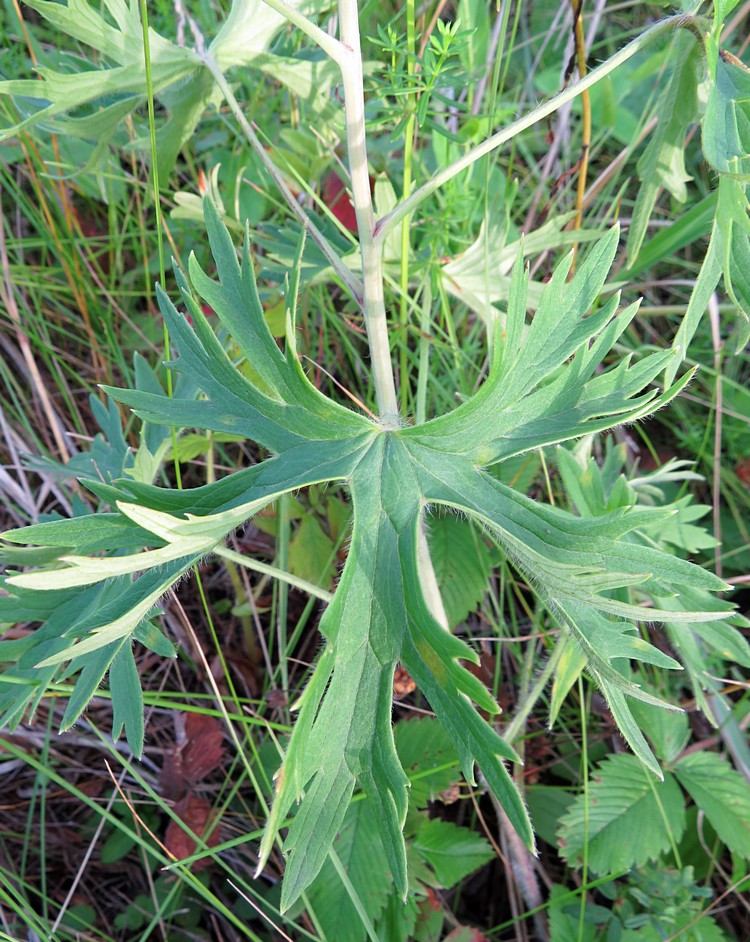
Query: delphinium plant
x,y
554,375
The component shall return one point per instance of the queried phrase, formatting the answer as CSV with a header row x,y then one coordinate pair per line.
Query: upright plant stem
x,y
157,212
373,305
408,157
580,42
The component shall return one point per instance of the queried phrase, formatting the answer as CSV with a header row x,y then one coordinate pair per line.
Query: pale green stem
x,y
347,53
333,257
388,222
420,411
518,723
408,157
585,776
248,563
372,262
331,46
157,213
281,589
430,588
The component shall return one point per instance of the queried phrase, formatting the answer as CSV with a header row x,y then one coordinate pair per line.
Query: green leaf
x,y
93,103
668,731
311,553
462,565
722,794
687,229
481,276
127,698
360,852
726,124
663,162
679,529
629,821
723,8
452,852
398,921
570,664
726,640
564,914
547,804
544,387
428,757
548,383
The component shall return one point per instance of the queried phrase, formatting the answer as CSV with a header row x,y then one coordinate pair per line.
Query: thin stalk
x,y
387,223
281,589
331,46
580,42
373,305
585,775
264,569
517,724
157,211
349,280
420,412
403,366
718,345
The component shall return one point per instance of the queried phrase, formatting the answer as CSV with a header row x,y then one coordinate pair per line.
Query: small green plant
x,y
552,379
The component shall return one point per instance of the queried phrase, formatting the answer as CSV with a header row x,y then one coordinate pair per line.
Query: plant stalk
x,y
350,281
373,305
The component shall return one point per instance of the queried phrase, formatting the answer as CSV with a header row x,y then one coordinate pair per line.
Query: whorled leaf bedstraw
x,y
546,385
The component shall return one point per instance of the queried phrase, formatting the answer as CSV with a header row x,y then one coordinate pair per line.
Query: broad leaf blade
x,y
722,794
626,819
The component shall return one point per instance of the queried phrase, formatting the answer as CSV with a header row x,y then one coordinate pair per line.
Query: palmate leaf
x,y
91,103
546,385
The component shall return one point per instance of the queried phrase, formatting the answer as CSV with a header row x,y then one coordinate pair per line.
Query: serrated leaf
x,y
428,757
452,852
547,384
398,920
722,794
547,804
564,914
462,565
629,820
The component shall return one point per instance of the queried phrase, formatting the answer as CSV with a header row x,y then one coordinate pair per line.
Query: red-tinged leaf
x,y
197,816
197,751
204,748
338,201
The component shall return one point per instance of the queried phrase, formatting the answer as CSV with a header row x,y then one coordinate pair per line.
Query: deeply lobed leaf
x,y
544,387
